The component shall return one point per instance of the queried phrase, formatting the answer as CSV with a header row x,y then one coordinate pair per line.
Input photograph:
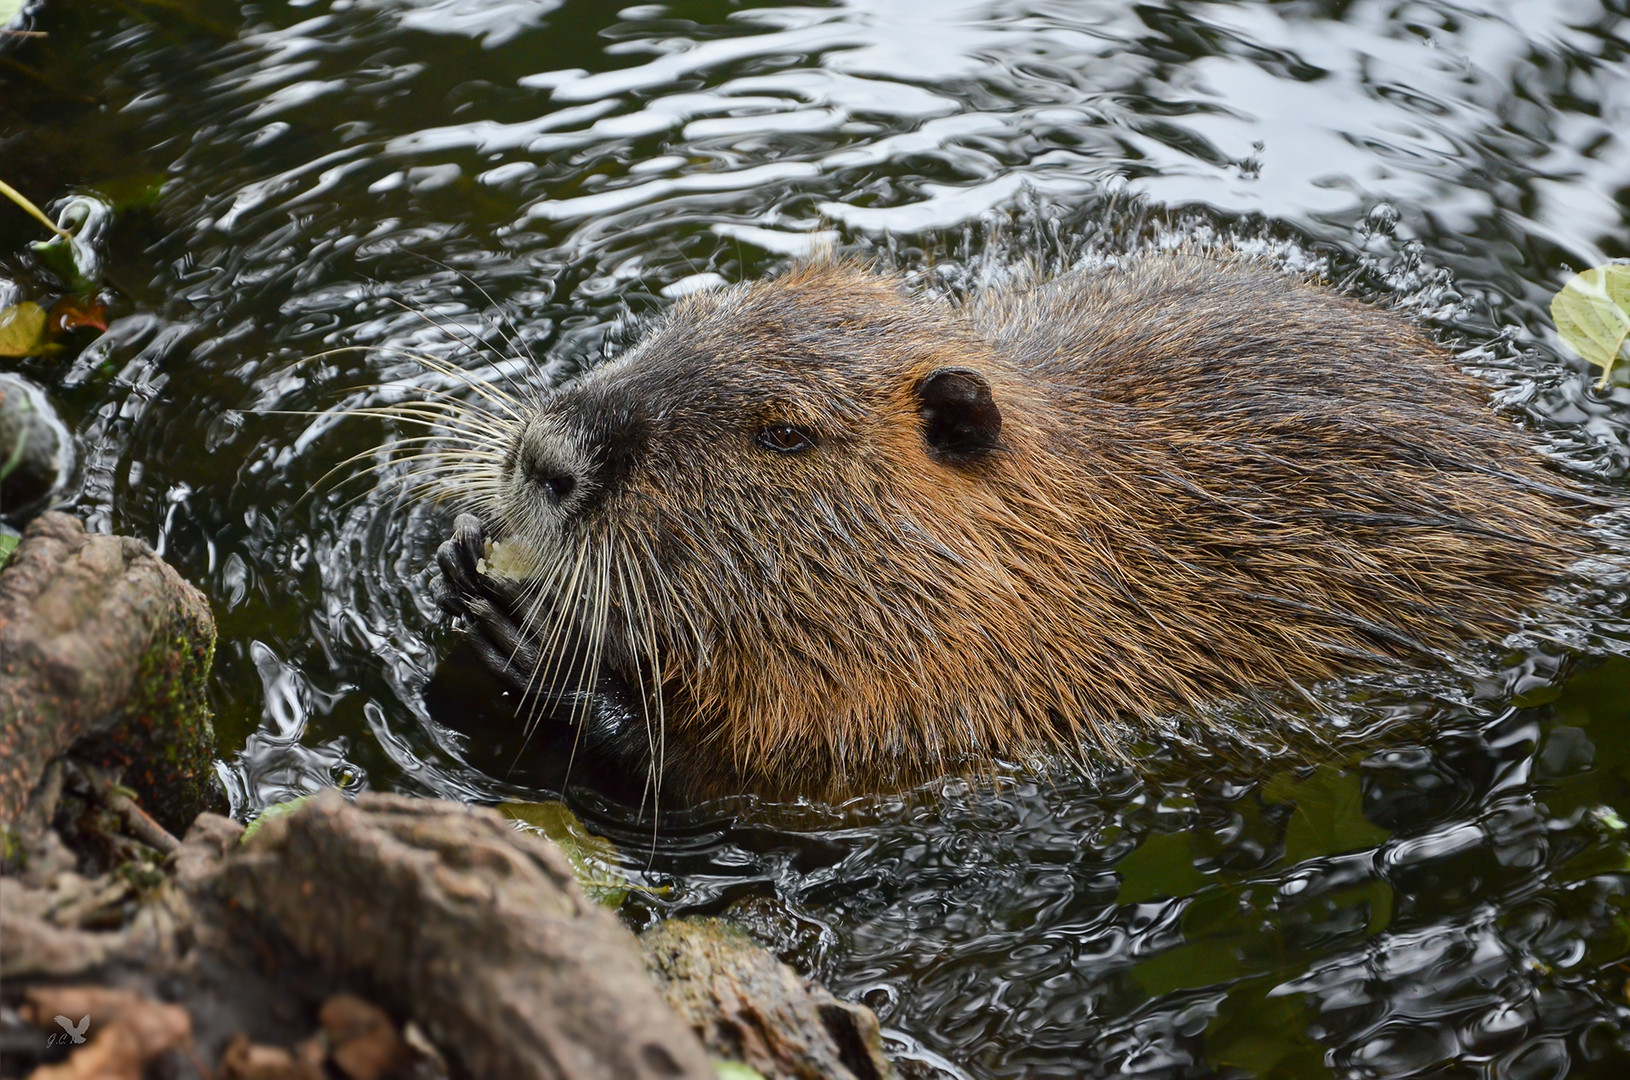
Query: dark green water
x,y
1447,895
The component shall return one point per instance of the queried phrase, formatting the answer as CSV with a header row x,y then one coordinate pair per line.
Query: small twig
x,y
28,207
25,33
140,824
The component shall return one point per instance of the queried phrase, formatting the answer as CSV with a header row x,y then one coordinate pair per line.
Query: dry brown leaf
x,y
364,1044
245,1060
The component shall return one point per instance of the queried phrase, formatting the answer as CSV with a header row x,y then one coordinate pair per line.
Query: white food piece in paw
x,y
509,559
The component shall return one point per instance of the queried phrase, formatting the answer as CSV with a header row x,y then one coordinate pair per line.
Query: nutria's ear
x,y
960,420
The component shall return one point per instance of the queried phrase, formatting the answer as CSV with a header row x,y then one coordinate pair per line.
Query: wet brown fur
x,y
1213,477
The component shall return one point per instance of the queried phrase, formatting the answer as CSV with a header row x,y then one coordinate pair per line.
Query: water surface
x,y
487,181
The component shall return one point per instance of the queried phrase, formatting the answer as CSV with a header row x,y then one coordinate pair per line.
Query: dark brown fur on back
x,y
1211,477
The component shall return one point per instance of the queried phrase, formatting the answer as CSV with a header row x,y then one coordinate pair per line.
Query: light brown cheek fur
x,y
938,677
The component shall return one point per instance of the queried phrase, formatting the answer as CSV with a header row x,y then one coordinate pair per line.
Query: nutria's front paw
x,y
488,606
459,559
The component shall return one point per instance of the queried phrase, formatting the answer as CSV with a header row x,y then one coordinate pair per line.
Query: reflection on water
x,y
523,180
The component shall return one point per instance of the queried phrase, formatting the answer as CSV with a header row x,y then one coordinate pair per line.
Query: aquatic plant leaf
x,y
1263,1032
1161,867
594,859
68,254
74,312
132,192
735,1070
22,330
273,811
1213,961
1329,817
1592,313
70,260
1593,712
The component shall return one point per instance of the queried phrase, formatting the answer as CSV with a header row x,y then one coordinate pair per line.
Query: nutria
x,y
825,533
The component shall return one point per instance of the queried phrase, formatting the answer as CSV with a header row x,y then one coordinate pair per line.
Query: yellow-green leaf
x,y
1592,313
594,859
22,329
269,813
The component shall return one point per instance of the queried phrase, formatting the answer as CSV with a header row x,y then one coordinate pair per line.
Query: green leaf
x,y
1161,866
1592,313
1212,961
1329,817
735,1070
594,859
1263,1032
132,192
8,544
9,10
276,810
22,330
66,254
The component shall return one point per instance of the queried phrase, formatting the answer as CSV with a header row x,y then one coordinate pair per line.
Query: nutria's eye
x,y
786,439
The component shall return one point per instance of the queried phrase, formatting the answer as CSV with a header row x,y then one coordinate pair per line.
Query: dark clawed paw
x,y
470,537
513,667
495,624
459,558
485,604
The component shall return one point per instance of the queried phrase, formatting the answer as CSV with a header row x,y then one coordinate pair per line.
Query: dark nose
x,y
555,479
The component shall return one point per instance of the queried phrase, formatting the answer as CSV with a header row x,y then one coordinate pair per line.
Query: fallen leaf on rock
x,y
22,329
122,1031
245,1060
271,813
363,1043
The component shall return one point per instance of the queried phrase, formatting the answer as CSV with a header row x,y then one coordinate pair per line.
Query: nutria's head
x,y
744,407
746,513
